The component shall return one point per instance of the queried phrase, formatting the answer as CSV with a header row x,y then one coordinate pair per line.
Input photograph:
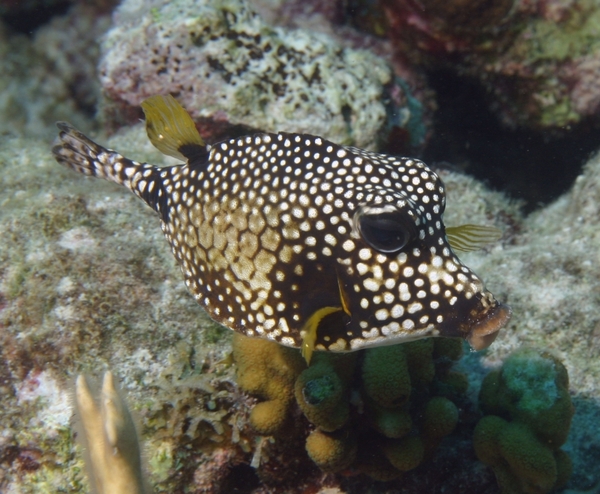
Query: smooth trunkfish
x,y
302,241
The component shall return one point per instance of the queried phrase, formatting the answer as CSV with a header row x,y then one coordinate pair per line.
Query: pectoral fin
x,y
467,238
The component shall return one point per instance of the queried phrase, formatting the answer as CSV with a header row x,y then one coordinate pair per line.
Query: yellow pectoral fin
x,y
310,330
169,126
467,238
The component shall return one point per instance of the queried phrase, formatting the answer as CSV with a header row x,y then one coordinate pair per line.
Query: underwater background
x,y
500,98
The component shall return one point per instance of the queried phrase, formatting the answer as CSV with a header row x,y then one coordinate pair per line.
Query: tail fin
x,y
75,150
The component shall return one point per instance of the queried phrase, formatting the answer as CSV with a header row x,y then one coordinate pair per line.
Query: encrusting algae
x,y
304,242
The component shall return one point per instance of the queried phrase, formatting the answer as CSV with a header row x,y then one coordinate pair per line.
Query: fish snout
x,y
485,330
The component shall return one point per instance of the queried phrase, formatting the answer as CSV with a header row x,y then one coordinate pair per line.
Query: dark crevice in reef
x,y
533,166
27,20
242,479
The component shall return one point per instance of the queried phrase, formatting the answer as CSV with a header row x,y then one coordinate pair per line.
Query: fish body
x,y
299,240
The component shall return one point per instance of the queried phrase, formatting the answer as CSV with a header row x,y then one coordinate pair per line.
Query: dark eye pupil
x,y
384,232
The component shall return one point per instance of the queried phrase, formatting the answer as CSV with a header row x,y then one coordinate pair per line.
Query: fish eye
x,y
386,232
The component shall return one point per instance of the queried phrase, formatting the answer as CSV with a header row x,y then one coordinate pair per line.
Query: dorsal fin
x,y
172,131
467,238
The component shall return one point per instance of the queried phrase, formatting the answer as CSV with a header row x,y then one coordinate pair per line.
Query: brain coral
x,y
229,67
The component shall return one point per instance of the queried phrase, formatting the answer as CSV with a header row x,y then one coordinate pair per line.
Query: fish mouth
x,y
484,332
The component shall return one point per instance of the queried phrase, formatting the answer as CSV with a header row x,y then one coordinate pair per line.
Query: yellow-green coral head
x,y
302,241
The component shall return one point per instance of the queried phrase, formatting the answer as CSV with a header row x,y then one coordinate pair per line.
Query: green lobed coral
x,y
528,415
322,390
385,376
394,401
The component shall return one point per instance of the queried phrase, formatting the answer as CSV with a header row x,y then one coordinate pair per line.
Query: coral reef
x,y
323,390
528,414
87,283
552,279
547,75
232,70
342,23
431,29
64,309
62,312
